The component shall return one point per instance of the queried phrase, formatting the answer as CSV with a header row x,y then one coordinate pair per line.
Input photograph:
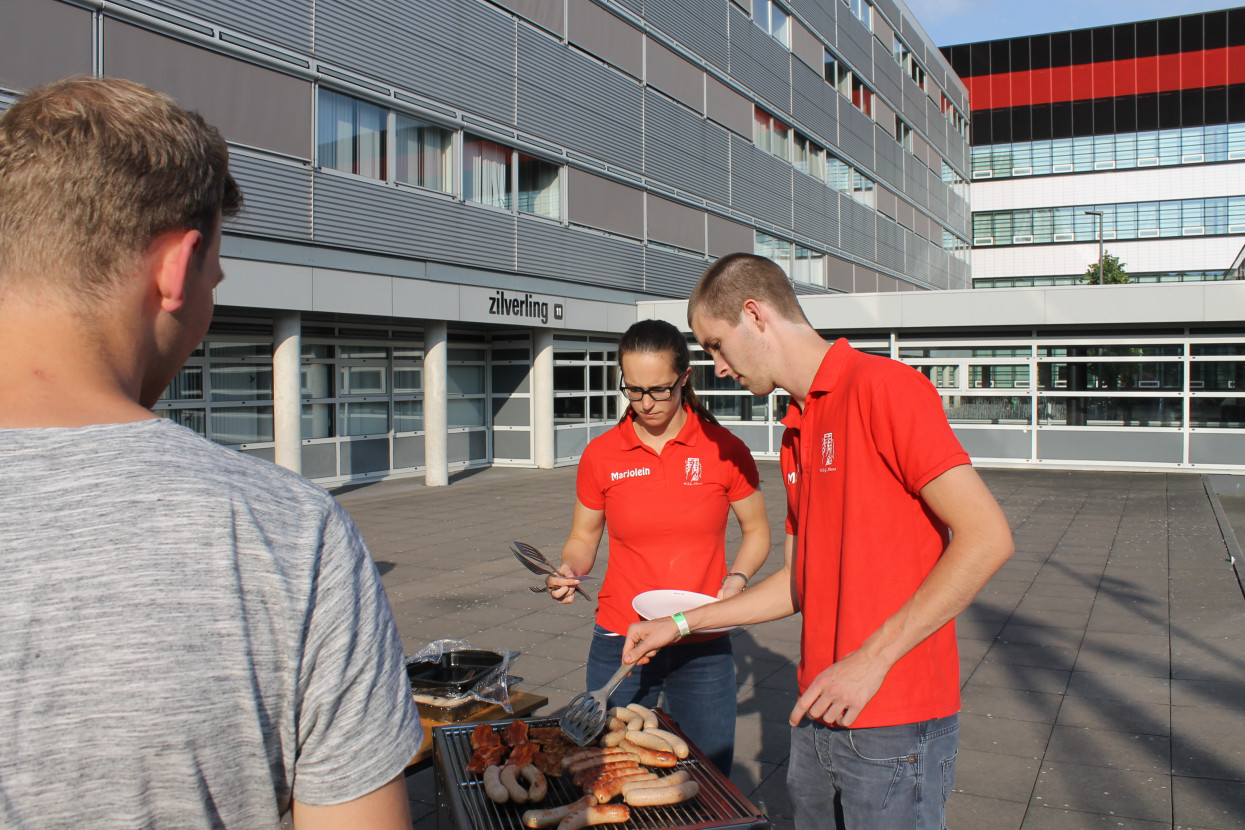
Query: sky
x,y
950,22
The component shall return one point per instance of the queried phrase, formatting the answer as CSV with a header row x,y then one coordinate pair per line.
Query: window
x,y
862,10
837,74
351,135
862,189
898,51
772,20
540,189
838,174
808,157
486,172
424,155
770,134
809,266
862,97
903,135
779,250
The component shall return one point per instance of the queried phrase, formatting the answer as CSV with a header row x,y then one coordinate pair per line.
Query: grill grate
x,y
465,806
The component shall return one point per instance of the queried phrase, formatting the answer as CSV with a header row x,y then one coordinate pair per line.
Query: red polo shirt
x,y
873,433
665,514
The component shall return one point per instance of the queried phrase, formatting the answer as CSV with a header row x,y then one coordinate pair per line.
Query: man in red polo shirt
x,y
890,534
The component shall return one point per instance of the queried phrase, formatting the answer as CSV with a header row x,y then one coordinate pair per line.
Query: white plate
x,y
654,604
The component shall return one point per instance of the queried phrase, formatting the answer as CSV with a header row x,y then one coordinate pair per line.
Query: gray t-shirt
x,y
188,637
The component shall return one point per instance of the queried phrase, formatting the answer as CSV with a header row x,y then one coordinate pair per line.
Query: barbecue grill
x,y
462,804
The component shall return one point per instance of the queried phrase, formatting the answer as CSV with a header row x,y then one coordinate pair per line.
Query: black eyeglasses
x,y
657,393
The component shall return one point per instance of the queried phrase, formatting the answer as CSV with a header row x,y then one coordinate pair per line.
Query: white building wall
x,y
1139,185
1139,256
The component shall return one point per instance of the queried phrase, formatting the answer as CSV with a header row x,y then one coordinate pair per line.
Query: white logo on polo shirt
x,y
692,471
638,471
792,477
827,452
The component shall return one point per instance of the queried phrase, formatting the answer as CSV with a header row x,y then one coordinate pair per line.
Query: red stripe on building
x,y
1108,79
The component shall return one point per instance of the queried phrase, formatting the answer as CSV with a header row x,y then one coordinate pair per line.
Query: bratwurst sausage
x,y
604,814
550,818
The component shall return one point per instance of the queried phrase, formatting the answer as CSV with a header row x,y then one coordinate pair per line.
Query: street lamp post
x,y
1098,214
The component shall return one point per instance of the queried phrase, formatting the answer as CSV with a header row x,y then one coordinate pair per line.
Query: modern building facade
x,y
1133,133
454,206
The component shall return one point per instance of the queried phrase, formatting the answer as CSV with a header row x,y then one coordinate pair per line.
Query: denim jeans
x,y
888,777
698,682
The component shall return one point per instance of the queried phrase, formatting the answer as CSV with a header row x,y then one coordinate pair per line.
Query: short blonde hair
x,y
92,170
736,278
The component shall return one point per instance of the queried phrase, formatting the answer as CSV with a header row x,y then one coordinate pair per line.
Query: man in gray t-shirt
x,y
188,637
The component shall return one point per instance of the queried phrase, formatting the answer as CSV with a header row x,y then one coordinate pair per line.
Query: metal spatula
x,y
585,716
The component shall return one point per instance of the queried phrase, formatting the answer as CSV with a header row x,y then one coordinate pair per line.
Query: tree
x,y
1113,270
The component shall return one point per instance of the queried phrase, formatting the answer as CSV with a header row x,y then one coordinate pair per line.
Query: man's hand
x,y
562,588
838,694
645,638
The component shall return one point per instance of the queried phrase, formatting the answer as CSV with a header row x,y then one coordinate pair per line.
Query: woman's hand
x,y
733,584
562,588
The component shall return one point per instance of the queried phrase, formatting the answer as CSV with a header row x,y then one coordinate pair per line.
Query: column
x,y
287,401
436,420
542,399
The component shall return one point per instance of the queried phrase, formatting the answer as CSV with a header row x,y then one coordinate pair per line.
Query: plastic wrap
x,y
491,685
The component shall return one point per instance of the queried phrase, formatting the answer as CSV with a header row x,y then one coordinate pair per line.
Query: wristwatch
x,y
742,576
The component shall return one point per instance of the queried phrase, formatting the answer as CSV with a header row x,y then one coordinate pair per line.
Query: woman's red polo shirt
x,y
873,433
665,514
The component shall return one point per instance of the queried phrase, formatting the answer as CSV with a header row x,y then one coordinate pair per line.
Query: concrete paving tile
x,y
1044,635
1047,818
1004,736
1105,659
1206,803
782,678
1008,777
974,812
1208,743
1214,694
772,798
1025,654
1041,606
1130,687
748,774
1206,659
1025,678
539,669
1108,748
996,702
1106,791
765,739
772,705
1121,716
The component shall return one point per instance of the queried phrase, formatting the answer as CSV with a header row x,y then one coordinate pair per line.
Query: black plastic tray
x,y
454,673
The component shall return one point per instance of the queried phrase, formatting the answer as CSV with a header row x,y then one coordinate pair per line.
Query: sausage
x,y
537,785
614,737
575,758
650,757
603,814
492,785
550,818
606,757
592,774
634,720
611,786
676,743
642,783
649,741
649,716
653,796
510,780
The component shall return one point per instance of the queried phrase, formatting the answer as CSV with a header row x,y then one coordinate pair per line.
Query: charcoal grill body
x,y
462,804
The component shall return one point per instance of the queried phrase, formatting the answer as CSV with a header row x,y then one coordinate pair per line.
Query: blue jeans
x,y
886,777
698,682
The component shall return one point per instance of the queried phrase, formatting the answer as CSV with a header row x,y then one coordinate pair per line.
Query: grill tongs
x,y
585,715
537,563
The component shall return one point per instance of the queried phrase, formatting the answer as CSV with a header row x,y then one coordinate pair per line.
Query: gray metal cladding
x,y
700,25
760,184
685,151
886,77
856,46
890,159
814,103
548,249
384,219
816,210
957,153
936,127
760,63
856,135
570,99
670,274
277,195
890,245
460,52
914,103
916,176
858,229
888,8
818,15
283,22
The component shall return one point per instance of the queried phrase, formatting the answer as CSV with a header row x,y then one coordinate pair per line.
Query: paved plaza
x,y
1103,668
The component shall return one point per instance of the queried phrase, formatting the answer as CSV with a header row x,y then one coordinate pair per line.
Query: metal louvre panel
x,y
814,103
820,16
957,152
856,46
917,186
283,22
378,218
760,63
683,150
887,76
547,249
890,9
571,100
430,47
760,184
278,197
700,25
914,103
856,135
890,159
858,228
669,274
938,199
816,210
936,127
890,245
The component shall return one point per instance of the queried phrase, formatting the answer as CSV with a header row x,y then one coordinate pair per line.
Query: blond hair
x,y
736,278
92,170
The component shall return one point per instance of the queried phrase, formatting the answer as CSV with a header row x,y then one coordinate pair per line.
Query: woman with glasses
x,y
664,481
